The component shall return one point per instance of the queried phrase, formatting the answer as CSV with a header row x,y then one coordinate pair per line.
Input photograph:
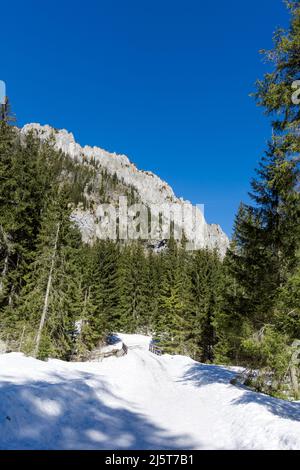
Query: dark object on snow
x,y
112,339
154,348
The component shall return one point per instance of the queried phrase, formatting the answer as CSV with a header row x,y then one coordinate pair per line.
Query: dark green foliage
x,y
64,300
133,302
288,308
259,317
205,272
175,318
103,285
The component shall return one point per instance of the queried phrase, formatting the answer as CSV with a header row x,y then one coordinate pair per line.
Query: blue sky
x,y
166,82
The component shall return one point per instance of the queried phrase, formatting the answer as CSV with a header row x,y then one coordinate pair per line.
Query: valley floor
x,y
138,401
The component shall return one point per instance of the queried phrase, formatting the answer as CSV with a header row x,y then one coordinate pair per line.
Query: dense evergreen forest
x,y
242,310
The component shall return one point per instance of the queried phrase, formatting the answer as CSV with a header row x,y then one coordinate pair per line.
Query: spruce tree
x,y
266,239
25,182
205,272
133,289
175,302
48,304
103,286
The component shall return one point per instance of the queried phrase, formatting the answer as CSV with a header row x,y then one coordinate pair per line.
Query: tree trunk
x,y
22,336
46,301
3,274
294,381
294,369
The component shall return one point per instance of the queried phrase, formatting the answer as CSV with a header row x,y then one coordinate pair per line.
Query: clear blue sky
x,y
166,82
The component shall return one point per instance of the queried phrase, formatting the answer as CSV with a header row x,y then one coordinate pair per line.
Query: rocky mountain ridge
x,y
151,190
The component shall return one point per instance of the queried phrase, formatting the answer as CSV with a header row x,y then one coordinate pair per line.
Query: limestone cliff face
x,y
151,190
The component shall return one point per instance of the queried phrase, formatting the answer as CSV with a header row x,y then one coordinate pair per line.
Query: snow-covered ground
x,y
138,401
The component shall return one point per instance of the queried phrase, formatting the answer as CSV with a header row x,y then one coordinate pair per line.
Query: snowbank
x,y
138,401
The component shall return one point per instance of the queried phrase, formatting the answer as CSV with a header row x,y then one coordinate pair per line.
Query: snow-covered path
x,y
138,401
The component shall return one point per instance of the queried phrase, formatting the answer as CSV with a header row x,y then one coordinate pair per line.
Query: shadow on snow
x,y
69,414
205,374
284,409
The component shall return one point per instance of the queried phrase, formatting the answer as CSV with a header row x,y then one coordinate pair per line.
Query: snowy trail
x,y
138,401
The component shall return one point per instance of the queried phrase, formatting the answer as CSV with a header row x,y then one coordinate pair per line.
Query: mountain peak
x,y
152,190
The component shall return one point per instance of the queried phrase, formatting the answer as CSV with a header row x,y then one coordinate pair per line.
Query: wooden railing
x,y
98,355
155,349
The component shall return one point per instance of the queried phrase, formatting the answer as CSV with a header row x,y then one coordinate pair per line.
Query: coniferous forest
x,y
241,310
